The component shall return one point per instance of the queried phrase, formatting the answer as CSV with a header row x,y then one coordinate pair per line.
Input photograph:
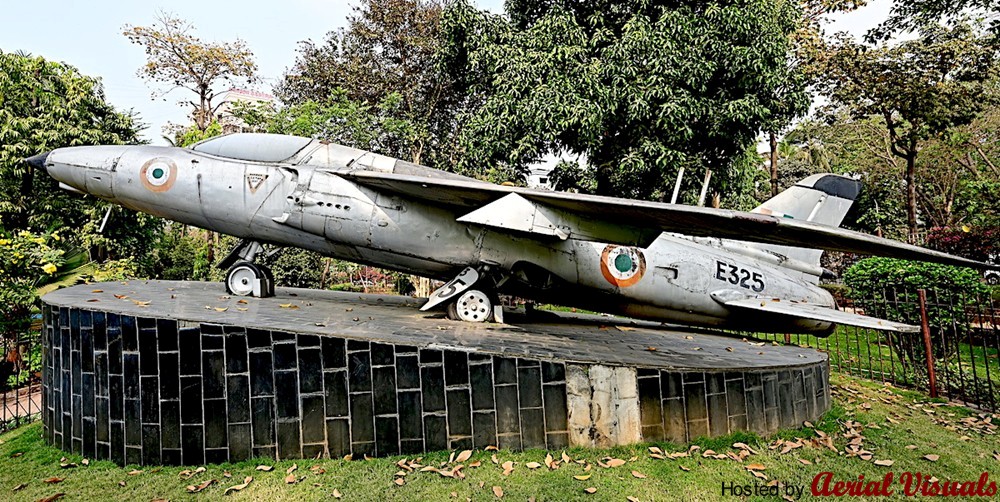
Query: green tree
x,y
44,106
642,87
910,14
386,58
920,88
175,58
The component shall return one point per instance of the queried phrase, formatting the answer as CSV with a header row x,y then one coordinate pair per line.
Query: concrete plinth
x,y
178,373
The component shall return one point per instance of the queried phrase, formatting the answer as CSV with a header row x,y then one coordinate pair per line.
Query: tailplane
x,y
821,198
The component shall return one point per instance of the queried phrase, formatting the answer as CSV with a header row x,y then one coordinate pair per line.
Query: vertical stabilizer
x,y
821,198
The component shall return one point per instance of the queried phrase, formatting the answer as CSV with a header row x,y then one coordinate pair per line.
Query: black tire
x,y
993,279
268,281
239,279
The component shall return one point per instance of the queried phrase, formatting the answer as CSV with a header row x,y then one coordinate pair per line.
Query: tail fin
x,y
820,198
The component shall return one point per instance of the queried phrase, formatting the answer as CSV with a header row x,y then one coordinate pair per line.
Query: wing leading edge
x,y
644,215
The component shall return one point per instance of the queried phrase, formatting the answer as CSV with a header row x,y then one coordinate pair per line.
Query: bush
x,y
887,288
890,285
975,243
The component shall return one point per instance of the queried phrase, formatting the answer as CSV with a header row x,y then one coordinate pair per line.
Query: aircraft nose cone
x,y
38,161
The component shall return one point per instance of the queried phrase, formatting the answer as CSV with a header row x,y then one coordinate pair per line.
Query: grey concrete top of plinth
x,y
397,320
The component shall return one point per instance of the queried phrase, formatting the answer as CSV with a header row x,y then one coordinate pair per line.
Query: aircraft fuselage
x,y
672,279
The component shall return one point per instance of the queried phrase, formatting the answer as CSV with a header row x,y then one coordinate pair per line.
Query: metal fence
x,y
21,378
955,355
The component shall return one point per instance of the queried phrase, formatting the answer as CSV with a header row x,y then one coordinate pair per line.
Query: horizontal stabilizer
x,y
643,216
818,313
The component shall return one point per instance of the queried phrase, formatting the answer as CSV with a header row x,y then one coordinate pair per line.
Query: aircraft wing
x,y
610,219
819,313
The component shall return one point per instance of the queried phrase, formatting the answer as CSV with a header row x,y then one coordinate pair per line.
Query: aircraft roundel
x,y
158,174
622,266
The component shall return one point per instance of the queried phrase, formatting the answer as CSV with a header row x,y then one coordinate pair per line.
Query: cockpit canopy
x,y
256,147
295,150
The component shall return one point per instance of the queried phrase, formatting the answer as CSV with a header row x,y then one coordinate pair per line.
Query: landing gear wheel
x,y
472,306
242,280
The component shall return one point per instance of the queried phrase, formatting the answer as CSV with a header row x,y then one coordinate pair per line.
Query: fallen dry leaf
x,y
638,475
911,447
134,472
615,462
655,450
292,469
399,481
235,488
583,477
885,463
755,467
462,457
532,465
291,479
631,499
591,490
566,459
50,498
805,462
337,494
19,487
199,487
498,492
932,457
685,469
265,468
508,467
53,480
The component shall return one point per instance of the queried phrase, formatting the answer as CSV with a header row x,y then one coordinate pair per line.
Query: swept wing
x,y
623,221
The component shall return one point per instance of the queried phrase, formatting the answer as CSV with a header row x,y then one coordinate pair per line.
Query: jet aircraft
x,y
756,271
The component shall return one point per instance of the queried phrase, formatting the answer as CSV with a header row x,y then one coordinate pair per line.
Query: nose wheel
x,y
472,306
249,279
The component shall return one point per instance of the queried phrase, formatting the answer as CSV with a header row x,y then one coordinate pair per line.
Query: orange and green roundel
x,y
158,174
622,266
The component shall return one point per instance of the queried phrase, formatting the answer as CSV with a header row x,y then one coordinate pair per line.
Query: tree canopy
x,y
175,58
641,88
919,88
386,59
43,106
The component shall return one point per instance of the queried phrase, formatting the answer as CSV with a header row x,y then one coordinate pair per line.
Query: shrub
x,y
887,288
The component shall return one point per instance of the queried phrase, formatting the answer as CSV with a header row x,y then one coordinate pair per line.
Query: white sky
x,y
87,35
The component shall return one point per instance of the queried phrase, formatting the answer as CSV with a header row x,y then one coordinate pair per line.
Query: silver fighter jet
x,y
755,271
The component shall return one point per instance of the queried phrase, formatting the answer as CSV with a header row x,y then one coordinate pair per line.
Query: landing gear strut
x,y
246,278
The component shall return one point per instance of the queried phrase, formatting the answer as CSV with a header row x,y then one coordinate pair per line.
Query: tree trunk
x,y
911,195
773,140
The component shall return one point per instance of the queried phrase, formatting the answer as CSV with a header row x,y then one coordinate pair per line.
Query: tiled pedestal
x,y
175,381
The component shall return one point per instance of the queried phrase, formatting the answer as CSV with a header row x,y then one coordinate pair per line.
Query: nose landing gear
x,y
246,278
249,279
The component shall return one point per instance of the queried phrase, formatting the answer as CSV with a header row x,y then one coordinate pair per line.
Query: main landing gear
x,y
465,303
246,278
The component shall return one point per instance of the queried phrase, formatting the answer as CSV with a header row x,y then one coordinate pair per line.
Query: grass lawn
x,y
883,423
